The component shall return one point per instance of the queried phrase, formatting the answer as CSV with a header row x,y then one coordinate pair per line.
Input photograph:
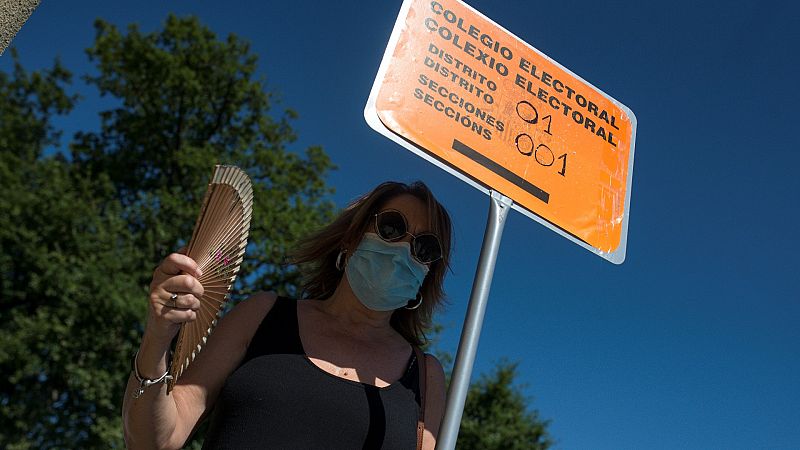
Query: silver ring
x,y
173,300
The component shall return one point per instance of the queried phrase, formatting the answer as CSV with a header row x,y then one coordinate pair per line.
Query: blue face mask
x,y
383,275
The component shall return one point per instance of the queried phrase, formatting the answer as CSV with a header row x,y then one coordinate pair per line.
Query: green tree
x,y
497,416
496,413
188,101
81,231
66,284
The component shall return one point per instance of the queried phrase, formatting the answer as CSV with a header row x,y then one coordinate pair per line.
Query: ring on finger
x,y
173,300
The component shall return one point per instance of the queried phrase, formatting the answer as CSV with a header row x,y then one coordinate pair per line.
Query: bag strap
x,y
423,375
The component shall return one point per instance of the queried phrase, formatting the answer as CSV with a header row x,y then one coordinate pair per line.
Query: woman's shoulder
x,y
261,301
434,369
434,374
435,392
433,365
246,315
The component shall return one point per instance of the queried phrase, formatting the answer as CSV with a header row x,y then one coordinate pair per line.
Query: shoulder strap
x,y
277,332
423,374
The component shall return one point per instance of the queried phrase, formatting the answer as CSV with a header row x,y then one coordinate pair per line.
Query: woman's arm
x,y
434,402
150,419
157,420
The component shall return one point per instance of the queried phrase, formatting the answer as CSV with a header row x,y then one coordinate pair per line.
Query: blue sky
x,y
693,341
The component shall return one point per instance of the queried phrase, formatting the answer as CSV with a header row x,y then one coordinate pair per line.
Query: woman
x,y
338,370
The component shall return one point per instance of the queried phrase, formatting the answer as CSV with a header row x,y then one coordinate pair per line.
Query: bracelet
x,y
145,382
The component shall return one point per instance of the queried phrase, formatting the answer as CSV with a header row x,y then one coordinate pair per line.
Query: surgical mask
x,y
383,275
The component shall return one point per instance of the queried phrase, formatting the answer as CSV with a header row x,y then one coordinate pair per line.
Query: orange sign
x,y
483,103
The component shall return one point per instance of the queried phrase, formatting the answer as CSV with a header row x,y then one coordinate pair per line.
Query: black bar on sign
x,y
510,176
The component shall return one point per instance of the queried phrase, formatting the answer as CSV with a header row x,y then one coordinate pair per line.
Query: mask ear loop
x,y
338,264
419,303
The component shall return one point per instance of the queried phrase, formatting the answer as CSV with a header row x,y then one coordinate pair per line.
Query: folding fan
x,y
218,244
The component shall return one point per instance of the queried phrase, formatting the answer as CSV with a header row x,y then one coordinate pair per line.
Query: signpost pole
x,y
467,347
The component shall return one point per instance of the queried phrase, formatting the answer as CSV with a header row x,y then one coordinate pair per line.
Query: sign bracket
x,y
499,206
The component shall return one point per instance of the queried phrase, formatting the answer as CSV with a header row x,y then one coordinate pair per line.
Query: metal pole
x,y
465,358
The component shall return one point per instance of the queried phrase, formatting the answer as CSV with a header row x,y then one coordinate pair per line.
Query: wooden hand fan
x,y
218,244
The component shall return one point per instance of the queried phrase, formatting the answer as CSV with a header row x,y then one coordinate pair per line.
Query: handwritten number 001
x,y
524,142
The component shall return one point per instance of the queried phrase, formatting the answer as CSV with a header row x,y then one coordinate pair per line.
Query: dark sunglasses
x,y
391,226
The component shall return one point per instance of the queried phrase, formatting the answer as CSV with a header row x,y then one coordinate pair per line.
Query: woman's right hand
x,y
177,274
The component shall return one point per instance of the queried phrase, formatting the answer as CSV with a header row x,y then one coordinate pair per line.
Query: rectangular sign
x,y
469,96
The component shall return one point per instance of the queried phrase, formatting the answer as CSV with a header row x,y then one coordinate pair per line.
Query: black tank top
x,y
278,399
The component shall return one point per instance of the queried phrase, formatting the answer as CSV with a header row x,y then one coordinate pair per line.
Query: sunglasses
x,y
391,226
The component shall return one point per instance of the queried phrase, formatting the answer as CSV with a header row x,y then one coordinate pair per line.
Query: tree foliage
x,y
81,232
67,300
497,416
188,101
496,413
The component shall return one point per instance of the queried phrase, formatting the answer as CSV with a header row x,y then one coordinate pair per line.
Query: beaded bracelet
x,y
145,382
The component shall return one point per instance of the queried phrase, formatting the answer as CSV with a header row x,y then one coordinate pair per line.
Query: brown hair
x,y
316,254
